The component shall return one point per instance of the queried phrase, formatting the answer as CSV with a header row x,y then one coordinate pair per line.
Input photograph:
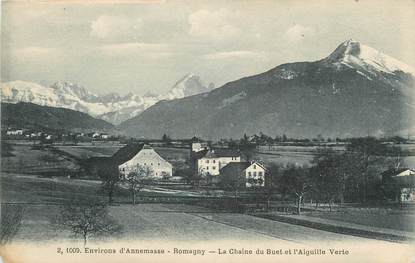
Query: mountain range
x,y
45,118
112,107
354,91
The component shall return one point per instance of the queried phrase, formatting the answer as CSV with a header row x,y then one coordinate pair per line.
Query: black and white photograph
x,y
207,131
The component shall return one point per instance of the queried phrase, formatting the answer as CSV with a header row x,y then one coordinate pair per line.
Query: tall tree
x,y
369,152
110,176
329,175
272,183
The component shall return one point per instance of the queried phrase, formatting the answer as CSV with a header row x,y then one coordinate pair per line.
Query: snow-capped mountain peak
x,y
111,107
67,88
16,91
189,85
362,57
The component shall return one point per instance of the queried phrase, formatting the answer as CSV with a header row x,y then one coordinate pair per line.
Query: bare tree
x,y
297,180
138,179
329,175
87,221
234,184
11,220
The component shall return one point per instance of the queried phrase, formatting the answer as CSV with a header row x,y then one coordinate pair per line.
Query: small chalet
x,y
128,158
211,161
253,173
403,179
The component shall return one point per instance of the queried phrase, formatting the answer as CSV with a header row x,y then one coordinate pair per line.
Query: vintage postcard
x,y
207,131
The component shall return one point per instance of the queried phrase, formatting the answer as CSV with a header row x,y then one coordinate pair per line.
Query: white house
x,y
104,136
147,157
14,132
253,173
214,160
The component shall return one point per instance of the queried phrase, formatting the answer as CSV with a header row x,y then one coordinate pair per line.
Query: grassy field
x,y
27,160
84,152
179,157
398,220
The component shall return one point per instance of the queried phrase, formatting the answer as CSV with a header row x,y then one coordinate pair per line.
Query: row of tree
x,y
264,139
351,175
338,176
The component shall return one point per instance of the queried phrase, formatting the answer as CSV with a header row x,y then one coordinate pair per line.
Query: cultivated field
x,y
41,199
24,183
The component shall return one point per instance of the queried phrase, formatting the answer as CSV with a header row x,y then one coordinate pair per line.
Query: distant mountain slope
x,y
111,107
355,91
29,115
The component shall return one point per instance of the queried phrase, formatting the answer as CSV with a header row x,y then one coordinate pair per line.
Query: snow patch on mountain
x,y
231,100
286,74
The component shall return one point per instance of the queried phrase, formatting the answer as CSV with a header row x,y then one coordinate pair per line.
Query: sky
x,y
146,46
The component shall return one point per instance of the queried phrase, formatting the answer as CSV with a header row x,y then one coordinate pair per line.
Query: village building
x,y
251,174
403,181
146,156
104,136
199,146
211,161
15,132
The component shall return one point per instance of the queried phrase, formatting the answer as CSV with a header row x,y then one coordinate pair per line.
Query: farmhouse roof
x,y
127,152
239,167
394,172
196,139
235,167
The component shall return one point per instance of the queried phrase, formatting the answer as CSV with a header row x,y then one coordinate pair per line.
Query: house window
x,y
151,164
249,174
213,167
207,161
213,161
254,166
259,173
207,167
159,164
254,174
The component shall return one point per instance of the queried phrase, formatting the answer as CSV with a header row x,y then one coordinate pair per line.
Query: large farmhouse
x,y
145,156
403,181
252,174
211,161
